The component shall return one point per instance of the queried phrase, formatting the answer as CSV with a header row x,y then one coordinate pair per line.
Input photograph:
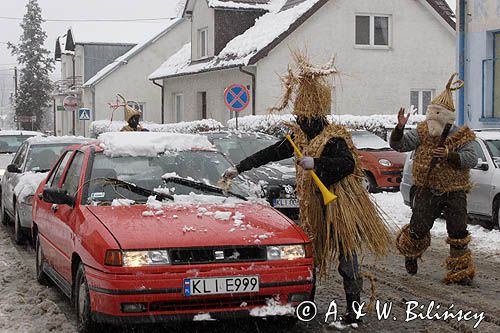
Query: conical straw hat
x,y
445,99
130,112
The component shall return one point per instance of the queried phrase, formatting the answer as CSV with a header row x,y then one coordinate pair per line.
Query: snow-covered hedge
x,y
104,126
274,124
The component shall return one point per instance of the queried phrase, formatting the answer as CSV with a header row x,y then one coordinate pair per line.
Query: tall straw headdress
x,y
445,99
308,87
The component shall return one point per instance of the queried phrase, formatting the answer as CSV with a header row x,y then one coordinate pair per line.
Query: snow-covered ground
x,y
486,242
26,306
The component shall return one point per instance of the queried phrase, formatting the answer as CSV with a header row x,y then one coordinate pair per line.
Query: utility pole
x,y
74,83
15,83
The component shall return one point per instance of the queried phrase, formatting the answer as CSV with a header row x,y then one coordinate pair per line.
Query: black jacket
x,y
335,163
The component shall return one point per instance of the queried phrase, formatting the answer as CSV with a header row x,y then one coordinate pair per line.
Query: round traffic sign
x,y
70,103
236,97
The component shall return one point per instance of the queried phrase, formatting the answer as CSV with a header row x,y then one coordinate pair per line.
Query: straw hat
x,y
130,112
308,87
445,99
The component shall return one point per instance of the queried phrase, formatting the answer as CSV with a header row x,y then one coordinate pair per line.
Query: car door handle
x,y
40,196
54,208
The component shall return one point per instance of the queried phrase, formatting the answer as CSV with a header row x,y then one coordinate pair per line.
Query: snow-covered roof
x,y
149,143
264,5
255,43
131,53
13,132
242,50
42,140
115,33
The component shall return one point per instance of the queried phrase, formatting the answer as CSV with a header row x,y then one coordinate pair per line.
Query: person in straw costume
x,y
132,117
341,229
442,189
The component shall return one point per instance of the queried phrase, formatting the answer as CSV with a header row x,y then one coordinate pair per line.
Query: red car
x,y
383,166
132,230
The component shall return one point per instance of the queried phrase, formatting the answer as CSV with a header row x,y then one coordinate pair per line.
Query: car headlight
x,y
136,258
285,252
2,172
384,162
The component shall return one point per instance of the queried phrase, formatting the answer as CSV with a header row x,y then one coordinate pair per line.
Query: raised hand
x,y
402,118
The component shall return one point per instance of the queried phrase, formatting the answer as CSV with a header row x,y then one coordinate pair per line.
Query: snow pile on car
x,y
28,184
149,144
274,124
103,126
56,139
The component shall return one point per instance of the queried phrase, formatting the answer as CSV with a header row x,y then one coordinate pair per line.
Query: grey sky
x,y
74,9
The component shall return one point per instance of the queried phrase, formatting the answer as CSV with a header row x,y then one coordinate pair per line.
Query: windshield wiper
x,y
201,186
135,189
41,170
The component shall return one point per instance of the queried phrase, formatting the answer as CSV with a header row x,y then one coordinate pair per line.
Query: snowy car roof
x,y
44,140
488,135
14,132
150,143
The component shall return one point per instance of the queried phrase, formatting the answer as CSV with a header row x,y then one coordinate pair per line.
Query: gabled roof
x,y
256,43
118,62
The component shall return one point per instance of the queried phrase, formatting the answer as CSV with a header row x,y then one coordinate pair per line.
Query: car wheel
x,y
369,183
82,302
41,277
495,218
19,235
3,214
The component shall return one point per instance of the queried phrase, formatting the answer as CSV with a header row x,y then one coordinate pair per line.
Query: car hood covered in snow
x,y
174,225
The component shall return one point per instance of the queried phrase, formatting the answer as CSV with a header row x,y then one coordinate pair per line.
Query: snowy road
x,y
26,306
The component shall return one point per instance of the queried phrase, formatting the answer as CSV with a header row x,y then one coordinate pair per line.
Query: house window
x,y
202,104
420,99
178,106
491,80
203,42
373,30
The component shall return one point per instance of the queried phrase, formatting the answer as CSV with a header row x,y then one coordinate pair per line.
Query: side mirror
x,y
481,165
12,168
57,196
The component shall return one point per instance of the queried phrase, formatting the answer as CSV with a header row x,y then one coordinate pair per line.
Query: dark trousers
x,y
349,270
429,205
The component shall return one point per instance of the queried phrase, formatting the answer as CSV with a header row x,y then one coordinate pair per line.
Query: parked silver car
x,y
32,161
483,201
9,143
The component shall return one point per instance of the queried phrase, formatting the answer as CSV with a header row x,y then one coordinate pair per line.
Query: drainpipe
x,y
162,101
253,87
461,60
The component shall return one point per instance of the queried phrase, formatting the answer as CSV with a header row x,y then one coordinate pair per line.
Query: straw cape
x,y
351,223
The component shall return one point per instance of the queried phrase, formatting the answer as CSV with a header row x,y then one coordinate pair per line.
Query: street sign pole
x,y
236,116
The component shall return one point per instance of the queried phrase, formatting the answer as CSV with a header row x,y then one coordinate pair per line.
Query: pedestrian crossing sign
x,y
84,114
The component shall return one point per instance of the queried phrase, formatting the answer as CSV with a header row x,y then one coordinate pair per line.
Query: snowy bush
x,y
104,126
275,124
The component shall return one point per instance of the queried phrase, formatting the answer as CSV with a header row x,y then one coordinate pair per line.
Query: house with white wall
x,y
128,75
390,53
84,51
479,49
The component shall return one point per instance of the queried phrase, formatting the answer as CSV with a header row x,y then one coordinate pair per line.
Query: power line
x,y
96,20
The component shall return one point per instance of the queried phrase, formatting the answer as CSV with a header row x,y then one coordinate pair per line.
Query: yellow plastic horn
x,y
327,195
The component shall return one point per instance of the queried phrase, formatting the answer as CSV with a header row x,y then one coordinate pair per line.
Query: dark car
x,y
277,180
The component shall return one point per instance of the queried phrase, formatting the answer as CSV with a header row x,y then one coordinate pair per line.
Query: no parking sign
x,y
236,97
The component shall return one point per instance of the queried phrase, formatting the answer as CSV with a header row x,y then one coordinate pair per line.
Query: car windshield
x,y
10,143
365,140
240,148
41,157
494,149
150,173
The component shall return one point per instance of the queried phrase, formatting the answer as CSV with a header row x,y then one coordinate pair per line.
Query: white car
x,y
483,201
9,143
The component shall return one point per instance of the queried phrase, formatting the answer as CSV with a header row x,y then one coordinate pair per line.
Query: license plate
x,y
221,285
286,203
